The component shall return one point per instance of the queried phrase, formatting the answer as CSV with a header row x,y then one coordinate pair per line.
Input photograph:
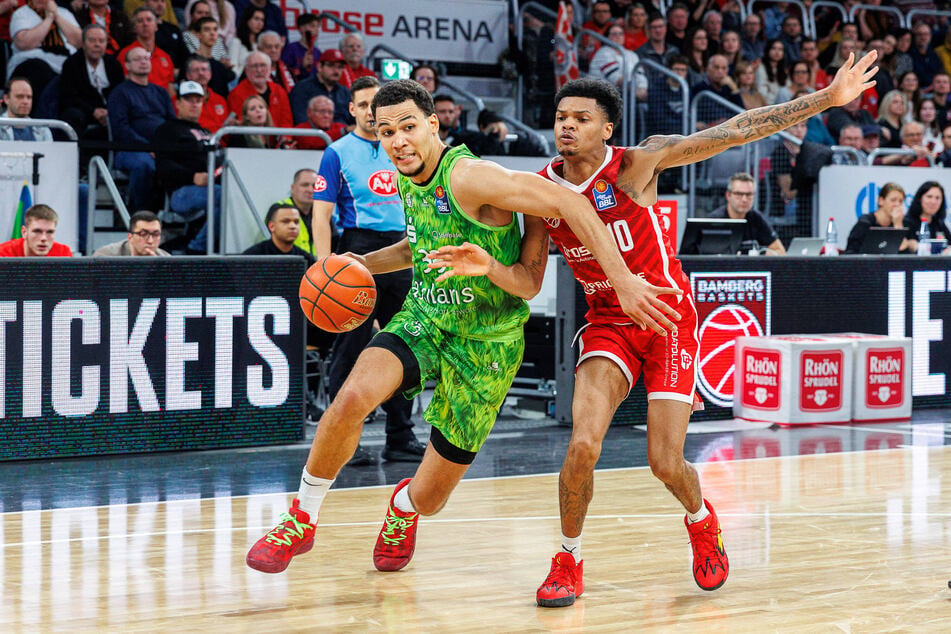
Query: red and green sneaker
x,y
293,536
563,584
710,563
397,540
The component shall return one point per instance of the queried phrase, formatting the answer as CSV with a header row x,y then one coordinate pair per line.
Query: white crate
x,y
882,383
794,379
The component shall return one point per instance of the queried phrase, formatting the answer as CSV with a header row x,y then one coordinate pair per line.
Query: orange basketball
x,y
337,293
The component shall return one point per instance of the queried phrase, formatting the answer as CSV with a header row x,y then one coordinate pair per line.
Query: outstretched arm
x,y
477,184
664,152
523,278
395,257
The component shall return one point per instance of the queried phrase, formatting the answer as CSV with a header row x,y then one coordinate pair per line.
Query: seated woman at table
x,y
890,213
929,206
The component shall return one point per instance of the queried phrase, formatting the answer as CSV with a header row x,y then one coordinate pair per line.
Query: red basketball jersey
x,y
635,229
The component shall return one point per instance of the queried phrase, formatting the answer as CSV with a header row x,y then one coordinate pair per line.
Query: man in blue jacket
x,y
136,109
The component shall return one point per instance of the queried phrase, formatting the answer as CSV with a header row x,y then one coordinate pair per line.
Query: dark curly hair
x,y
914,209
604,94
396,92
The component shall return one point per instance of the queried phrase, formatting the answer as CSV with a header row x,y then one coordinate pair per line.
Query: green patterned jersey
x,y
470,307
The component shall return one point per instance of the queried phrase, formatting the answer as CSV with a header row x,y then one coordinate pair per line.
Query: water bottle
x,y
831,244
924,235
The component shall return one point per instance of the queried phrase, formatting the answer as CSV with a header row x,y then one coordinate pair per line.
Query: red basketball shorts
x,y
668,363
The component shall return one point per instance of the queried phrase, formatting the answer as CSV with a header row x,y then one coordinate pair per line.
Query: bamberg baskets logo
x,y
729,305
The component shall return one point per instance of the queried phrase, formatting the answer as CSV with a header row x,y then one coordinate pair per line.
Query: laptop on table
x,y
805,246
883,241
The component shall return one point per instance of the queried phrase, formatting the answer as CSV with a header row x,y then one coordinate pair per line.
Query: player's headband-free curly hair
x,y
604,94
396,92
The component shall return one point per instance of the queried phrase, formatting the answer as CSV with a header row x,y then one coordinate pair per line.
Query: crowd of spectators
x,y
115,72
153,84
766,58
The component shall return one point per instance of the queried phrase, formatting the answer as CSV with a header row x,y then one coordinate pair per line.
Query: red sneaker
x,y
397,540
293,536
710,563
563,584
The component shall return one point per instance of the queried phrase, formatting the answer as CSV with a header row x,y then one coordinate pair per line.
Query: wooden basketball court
x,y
836,542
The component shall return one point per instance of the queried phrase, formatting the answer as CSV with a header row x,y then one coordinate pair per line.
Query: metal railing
x,y
465,94
811,23
528,130
630,100
694,119
914,13
803,13
876,8
228,168
333,18
752,163
627,95
519,37
40,123
472,98
685,130
845,149
97,165
894,151
245,131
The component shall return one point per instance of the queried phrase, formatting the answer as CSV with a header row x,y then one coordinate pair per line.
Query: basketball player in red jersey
x,y
621,183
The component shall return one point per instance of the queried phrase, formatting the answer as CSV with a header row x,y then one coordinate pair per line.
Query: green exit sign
x,y
396,69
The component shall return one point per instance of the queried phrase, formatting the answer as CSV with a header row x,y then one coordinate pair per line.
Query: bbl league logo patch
x,y
603,196
442,200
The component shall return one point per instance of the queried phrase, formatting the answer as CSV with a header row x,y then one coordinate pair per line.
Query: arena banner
x,y
847,192
899,296
471,31
118,355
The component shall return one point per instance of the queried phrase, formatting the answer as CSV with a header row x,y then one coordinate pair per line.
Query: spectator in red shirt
x,y
215,111
809,53
39,233
271,44
320,116
600,21
352,48
912,139
257,69
163,69
635,27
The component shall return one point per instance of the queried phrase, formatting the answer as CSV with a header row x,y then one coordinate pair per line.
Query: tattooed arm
x,y
664,152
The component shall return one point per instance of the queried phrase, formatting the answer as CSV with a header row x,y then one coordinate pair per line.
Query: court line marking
x,y
389,487
428,521
903,429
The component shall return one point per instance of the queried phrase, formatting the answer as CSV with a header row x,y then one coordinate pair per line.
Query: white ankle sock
x,y
311,493
699,515
572,545
402,501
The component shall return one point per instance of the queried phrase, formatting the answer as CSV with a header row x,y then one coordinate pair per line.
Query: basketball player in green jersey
x,y
465,333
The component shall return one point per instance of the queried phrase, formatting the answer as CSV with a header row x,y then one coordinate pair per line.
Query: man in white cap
x,y
183,171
